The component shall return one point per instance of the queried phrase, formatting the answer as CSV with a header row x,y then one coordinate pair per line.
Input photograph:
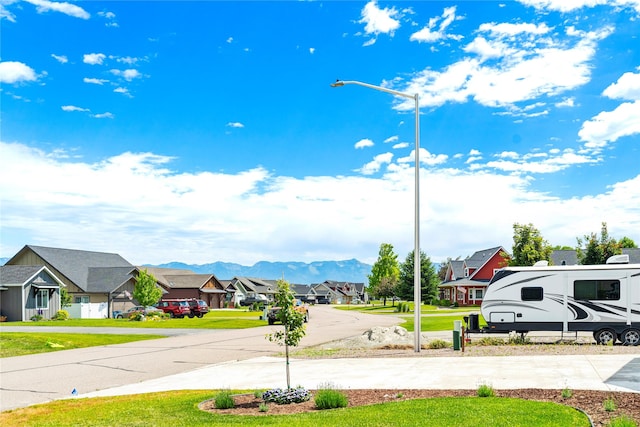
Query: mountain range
x,y
294,272
350,270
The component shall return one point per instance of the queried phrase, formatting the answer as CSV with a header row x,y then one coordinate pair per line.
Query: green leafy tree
x,y
429,278
627,243
146,292
593,250
65,298
385,268
529,246
387,289
292,320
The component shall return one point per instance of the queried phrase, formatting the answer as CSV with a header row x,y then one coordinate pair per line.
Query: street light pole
x,y
416,237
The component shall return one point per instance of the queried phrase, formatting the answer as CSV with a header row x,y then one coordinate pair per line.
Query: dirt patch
x,y
591,402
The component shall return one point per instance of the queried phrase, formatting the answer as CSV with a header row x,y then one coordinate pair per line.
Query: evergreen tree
x,y
429,279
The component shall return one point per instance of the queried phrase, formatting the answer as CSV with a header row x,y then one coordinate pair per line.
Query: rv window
x,y
531,294
596,289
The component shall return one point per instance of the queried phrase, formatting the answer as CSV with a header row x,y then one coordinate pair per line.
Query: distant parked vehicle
x,y
135,309
175,307
250,300
198,307
323,300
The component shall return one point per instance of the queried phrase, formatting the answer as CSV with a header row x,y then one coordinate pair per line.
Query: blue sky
x,y
208,131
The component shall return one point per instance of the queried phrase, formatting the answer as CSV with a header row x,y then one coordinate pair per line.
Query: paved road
x,y
38,378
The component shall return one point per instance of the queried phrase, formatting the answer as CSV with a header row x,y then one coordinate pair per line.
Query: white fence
x,y
95,310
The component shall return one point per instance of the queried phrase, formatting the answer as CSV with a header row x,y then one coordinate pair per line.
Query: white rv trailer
x,y
603,299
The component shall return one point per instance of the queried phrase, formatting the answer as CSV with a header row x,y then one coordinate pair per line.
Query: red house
x,y
466,280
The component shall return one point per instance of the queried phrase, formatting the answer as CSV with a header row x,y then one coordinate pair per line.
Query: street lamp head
x,y
337,83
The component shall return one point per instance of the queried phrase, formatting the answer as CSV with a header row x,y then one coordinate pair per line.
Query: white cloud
x,y
6,14
363,143
377,162
393,138
95,81
106,115
571,5
110,17
124,91
312,50
508,155
128,74
313,218
474,152
400,145
73,108
566,102
436,28
60,58
527,64
378,21
235,125
609,126
627,87
16,72
426,158
94,58
230,40
43,6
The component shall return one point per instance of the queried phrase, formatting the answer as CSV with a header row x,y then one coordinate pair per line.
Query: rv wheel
x,y
605,336
630,337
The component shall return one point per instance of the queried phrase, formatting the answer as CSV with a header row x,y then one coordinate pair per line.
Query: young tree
x,y
429,278
387,289
528,246
65,298
386,267
597,250
292,320
145,291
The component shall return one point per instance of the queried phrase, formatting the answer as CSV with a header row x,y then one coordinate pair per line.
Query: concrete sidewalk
x,y
589,372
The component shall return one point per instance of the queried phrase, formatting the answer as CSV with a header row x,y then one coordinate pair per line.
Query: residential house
x,y
304,293
27,291
252,286
181,283
95,280
466,280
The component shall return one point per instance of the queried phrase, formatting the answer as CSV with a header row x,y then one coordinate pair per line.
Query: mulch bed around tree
x,y
591,402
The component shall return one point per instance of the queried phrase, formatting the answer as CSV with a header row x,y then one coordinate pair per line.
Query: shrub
x,y
566,393
286,396
258,394
36,317
263,407
61,315
485,390
328,397
609,405
136,317
519,340
437,343
224,400
488,341
623,421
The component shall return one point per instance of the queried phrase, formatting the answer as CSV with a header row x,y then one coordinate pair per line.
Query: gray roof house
x,y
90,277
27,291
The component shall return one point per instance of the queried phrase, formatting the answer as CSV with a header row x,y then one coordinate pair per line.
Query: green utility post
x,y
457,326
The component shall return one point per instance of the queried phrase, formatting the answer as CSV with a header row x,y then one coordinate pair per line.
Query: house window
x,y
596,289
42,299
466,272
531,294
478,293
84,299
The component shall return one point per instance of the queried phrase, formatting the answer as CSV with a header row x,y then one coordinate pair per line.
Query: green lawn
x,y
21,343
223,319
179,408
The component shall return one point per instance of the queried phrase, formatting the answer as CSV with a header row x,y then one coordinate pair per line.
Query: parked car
x,y
117,314
272,314
323,300
175,307
250,300
198,307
